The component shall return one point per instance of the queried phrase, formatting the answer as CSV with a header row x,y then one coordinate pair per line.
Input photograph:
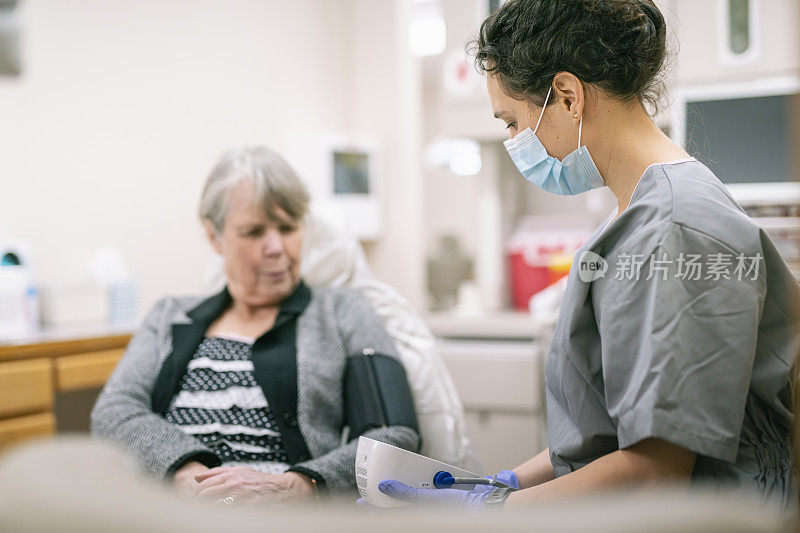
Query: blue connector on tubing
x,y
443,480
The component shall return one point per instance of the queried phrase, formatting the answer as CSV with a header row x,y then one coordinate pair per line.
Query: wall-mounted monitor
x,y
352,168
748,134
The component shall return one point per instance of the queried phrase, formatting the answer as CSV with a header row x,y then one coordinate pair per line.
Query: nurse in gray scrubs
x,y
671,359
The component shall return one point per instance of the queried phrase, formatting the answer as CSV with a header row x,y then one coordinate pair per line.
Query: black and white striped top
x,y
220,403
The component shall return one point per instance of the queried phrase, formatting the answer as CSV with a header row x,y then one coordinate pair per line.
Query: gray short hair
x,y
275,182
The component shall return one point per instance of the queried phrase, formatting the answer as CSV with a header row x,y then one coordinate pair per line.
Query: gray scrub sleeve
x,y
677,352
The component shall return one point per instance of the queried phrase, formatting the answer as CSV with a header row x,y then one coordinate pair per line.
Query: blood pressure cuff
x,y
376,394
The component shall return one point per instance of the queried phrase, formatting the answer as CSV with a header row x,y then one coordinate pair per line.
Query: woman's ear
x,y
569,93
212,235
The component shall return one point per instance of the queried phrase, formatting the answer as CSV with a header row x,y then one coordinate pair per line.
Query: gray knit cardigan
x,y
335,324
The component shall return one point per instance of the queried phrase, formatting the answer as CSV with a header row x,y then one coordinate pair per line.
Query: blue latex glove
x,y
470,500
504,476
461,498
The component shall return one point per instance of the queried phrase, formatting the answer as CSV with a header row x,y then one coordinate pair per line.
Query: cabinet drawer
x,y
504,439
492,375
86,370
21,428
25,387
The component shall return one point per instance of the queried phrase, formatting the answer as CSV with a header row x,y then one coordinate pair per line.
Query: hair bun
x,y
619,46
654,16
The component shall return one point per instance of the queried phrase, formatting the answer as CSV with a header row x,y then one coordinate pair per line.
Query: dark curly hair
x,y
618,46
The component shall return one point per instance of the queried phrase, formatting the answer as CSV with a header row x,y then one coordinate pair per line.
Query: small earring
x,y
574,115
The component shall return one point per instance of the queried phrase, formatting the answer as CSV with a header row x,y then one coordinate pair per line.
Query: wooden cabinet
x,y
20,428
26,387
34,371
85,370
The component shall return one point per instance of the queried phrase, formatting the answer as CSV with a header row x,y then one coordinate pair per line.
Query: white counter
x,y
492,325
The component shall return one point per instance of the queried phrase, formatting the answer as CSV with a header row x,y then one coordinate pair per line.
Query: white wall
x,y
700,30
386,101
123,107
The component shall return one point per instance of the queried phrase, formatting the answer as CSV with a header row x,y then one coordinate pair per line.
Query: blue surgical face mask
x,y
577,173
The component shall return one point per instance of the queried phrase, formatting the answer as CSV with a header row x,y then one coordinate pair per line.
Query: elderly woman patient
x,y
239,397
